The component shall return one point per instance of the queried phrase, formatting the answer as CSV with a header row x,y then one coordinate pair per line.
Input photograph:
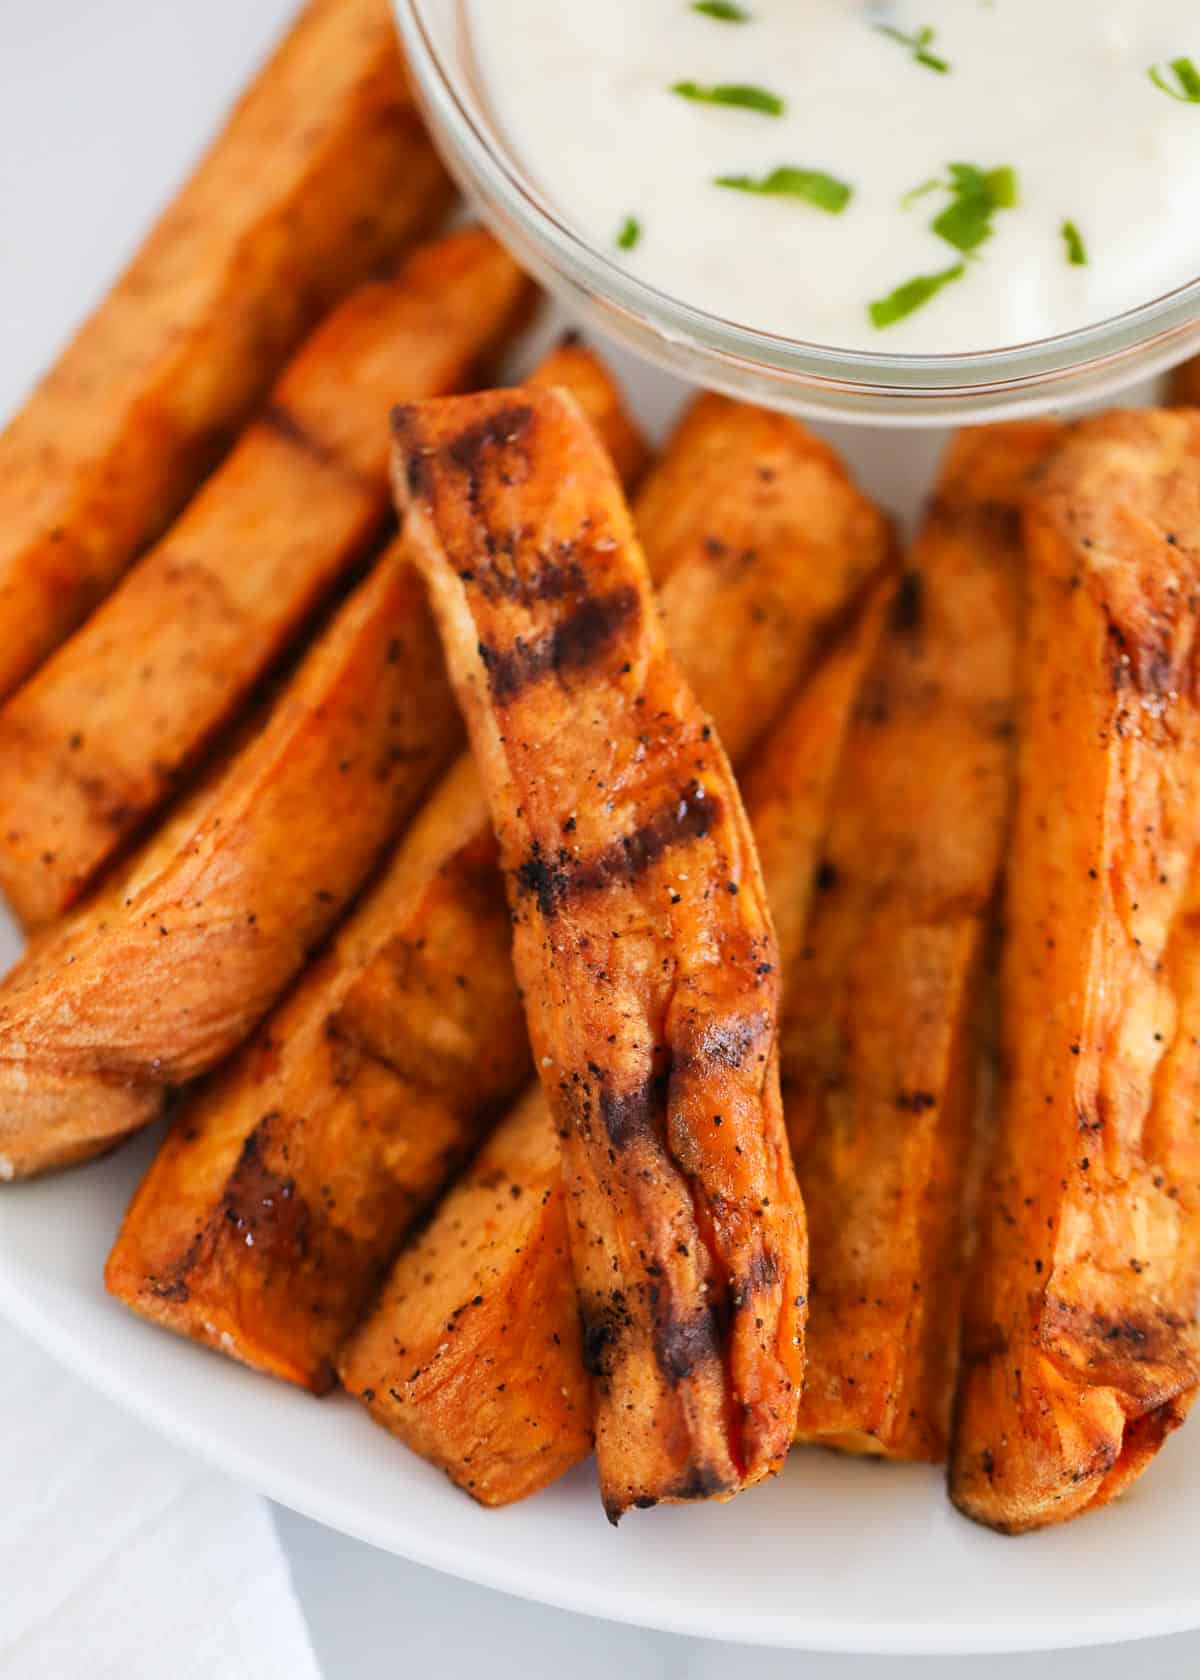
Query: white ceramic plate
x,y
835,1555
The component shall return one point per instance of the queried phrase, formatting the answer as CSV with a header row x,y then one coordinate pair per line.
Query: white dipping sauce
x,y
1057,90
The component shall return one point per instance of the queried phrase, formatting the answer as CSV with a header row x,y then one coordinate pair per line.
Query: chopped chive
x,y
1002,186
814,186
745,96
723,10
629,234
966,222
919,43
1186,75
911,197
1076,249
885,311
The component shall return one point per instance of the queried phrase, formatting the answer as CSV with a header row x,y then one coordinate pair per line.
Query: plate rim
x,y
1104,1625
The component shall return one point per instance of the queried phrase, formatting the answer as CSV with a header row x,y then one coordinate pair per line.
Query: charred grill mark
x,y
274,417
629,1115
1146,664
550,882
574,645
260,1207
761,1275
991,518
687,818
175,1286
1144,1338
470,449
726,1042
681,1344
915,1102
557,574
417,476
700,1482
605,1324
547,883
908,609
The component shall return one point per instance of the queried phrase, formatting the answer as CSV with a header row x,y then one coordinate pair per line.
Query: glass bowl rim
x,y
867,371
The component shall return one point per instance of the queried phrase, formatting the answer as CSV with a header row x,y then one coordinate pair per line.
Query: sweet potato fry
x,y
473,1355
649,989
322,172
879,1036
789,785
159,977
100,736
1081,1349
360,1145
775,492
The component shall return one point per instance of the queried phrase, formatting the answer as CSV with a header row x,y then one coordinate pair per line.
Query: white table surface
x,y
101,107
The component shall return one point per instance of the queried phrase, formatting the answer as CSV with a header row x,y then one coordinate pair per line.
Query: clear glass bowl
x,y
810,379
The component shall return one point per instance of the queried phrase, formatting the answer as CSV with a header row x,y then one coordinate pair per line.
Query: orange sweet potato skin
x,y
791,778
158,978
650,989
99,738
473,1354
780,505
1081,1349
322,172
880,1022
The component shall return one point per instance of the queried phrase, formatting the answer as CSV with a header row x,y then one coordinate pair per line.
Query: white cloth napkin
x,y
122,1557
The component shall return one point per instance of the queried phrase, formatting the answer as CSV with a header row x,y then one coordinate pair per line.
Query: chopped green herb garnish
x,y
1002,184
920,44
910,198
1186,74
1076,249
629,234
911,295
723,10
966,222
745,96
814,186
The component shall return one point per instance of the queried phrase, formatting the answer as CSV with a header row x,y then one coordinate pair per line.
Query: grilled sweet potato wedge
x,y
100,736
473,1354
159,977
322,172
775,493
650,988
359,1144
879,1041
1081,1349
789,785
